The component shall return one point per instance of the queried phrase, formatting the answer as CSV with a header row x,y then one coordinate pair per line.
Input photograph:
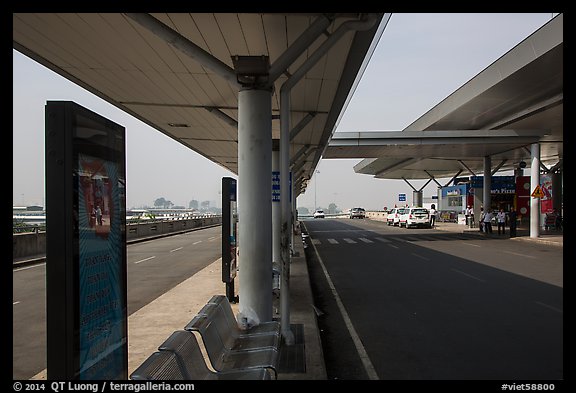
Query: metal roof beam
x,y
301,124
299,153
544,168
301,44
466,167
452,179
432,178
498,166
222,116
185,46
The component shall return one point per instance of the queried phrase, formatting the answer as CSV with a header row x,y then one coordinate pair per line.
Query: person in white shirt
x,y
501,220
432,215
469,213
488,221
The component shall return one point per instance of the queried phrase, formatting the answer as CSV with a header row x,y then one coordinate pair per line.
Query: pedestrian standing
x,y
469,213
512,217
501,220
432,215
488,221
481,222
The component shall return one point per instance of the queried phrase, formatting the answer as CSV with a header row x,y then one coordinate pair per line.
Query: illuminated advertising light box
x,y
85,245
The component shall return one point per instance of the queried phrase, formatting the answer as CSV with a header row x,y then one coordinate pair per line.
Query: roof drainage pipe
x,y
367,22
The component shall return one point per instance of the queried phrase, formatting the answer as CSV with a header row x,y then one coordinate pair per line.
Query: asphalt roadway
x,y
421,304
154,267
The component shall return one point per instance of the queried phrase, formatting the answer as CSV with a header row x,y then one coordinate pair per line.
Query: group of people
x,y
485,222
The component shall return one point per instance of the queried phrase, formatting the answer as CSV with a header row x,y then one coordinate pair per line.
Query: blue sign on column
x,y
275,186
402,197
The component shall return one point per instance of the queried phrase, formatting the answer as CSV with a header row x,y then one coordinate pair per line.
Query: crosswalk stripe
x,y
383,240
316,241
365,240
349,241
333,241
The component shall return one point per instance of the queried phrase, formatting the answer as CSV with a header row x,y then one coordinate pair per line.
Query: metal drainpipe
x,y
355,25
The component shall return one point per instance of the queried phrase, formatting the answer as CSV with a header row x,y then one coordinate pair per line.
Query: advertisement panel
x,y
86,245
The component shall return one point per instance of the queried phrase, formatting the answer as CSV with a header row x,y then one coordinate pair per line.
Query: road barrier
x,y
33,244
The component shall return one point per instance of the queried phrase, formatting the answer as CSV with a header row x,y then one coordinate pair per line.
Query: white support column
x,y
276,215
417,198
534,182
276,208
255,205
486,195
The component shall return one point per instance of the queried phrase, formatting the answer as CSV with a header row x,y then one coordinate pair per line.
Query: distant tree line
x,y
163,203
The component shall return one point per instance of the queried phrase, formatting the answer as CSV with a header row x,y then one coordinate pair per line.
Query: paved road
x,y
153,268
430,305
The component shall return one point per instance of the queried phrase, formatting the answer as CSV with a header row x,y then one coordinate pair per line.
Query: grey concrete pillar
x,y
417,198
534,182
255,205
276,208
486,195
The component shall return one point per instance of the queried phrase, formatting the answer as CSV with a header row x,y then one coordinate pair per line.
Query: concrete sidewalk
x,y
152,324
550,237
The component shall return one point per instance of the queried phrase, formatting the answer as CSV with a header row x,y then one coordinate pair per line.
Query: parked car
x,y
319,213
357,212
394,216
416,217
391,215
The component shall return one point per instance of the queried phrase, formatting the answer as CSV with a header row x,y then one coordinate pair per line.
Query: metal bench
x,y
264,328
182,359
224,359
230,336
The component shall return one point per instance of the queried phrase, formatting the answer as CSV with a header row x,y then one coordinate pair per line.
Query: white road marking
x,y
468,275
368,366
198,242
349,241
383,240
520,255
15,303
365,240
176,249
333,241
392,245
144,260
550,307
420,256
213,238
470,244
316,241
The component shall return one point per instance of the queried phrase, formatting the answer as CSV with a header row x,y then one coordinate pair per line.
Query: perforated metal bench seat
x,y
264,328
230,335
222,358
184,361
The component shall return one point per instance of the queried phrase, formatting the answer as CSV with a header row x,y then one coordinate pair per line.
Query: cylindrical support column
x,y
276,214
417,198
255,205
286,221
486,195
294,212
276,208
534,182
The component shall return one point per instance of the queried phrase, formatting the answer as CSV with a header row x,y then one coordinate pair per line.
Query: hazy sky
x,y
420,59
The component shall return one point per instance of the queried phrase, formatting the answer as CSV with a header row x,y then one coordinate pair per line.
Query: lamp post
x,y
315,190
